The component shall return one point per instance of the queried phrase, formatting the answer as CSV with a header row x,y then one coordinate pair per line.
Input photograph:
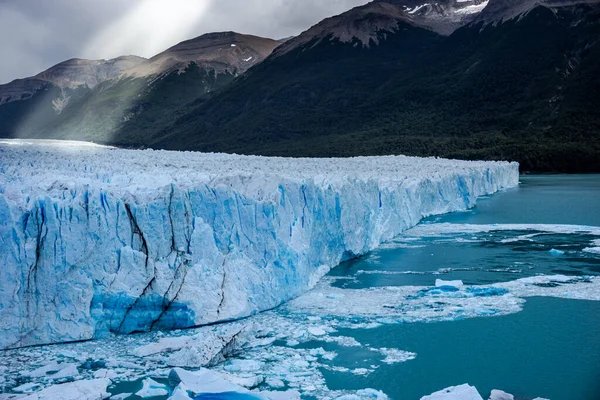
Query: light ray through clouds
x,y
150,27
146,29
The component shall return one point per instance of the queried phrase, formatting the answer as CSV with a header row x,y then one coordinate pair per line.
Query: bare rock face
x,y
79,72
366,22
222,52
71,74
504,10
20,89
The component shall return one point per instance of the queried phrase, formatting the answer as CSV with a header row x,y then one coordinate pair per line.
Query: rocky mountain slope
x,y
497,79
70,74
514,83
92,99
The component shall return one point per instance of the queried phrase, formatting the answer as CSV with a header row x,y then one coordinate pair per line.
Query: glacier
x,y
97,240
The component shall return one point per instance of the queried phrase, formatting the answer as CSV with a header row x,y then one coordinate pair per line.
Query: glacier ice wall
x,y
96,240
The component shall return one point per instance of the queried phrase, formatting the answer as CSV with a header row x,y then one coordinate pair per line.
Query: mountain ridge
x,y
377,79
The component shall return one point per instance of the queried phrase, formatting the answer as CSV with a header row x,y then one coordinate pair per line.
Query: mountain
x,y
471,79
223,53
515,83
69,74
91,100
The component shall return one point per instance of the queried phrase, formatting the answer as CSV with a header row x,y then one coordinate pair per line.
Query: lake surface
x,y
550,349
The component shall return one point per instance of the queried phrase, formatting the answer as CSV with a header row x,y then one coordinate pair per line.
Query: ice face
x,y
97,240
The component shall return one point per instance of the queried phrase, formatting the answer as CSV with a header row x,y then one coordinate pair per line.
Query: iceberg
x,y
79,390
151,388
500,395
206,381
443,283
98,240
462,392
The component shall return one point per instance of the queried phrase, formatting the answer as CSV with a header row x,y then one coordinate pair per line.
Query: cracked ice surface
x,y
97,240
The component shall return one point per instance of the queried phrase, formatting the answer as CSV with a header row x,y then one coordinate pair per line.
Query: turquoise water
x,y
550,349
533,346
540,199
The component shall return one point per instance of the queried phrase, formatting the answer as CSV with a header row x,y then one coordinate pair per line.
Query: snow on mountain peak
x,y
366,22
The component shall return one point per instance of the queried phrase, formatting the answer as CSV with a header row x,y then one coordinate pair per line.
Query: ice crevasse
x,y
96,240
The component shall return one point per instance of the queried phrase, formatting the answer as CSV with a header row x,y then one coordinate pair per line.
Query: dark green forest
x,y
526,90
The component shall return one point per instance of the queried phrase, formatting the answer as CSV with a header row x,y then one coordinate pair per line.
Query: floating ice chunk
x,y
248,381
372,394
593,250
284,395
180,393
433,230
67,371
236,365
316,331
105,373
441,283
54,370
151,388
462,392
393,356
94,389
203,381
346,341
328,355
203,349
364,394
121,396
361,371
27,387
500,395
44,370
556,252
275,383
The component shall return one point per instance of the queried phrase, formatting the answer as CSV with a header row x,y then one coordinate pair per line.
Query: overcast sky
x,y
36,34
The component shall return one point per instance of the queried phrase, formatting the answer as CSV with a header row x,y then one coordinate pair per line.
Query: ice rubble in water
x,y
79,390
98,240
251,355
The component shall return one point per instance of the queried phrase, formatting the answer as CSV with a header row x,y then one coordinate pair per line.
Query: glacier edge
x,y
104,240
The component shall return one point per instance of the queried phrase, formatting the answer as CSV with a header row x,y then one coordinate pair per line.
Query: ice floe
x,y
432,230
151,388
462,392
95,389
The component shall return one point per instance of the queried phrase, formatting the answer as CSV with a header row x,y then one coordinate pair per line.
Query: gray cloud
x,y
36,34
